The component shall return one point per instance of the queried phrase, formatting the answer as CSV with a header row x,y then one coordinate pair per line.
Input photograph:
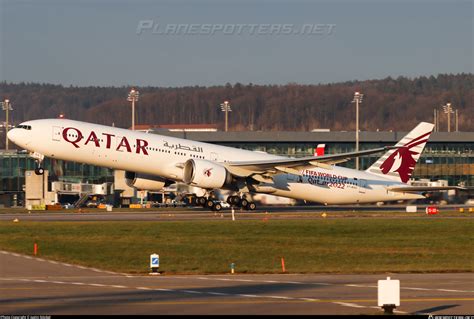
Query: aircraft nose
x,y
12,134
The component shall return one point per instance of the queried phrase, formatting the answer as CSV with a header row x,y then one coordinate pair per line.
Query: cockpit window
x,y
25,127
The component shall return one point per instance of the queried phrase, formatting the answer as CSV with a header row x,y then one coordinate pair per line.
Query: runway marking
x,y
279,297
346,304
358,286
96,270
420,289
412,288
452,290
191,291
253,280
64,264
218,293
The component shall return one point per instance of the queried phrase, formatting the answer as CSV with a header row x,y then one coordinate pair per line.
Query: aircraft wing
x,y
410,189
295,165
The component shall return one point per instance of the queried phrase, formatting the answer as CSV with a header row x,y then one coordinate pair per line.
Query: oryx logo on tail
x,y
402,160
399,163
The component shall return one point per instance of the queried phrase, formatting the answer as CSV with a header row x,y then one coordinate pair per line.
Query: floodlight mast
x,y
225,107
447,109
133,97
6,106
357,99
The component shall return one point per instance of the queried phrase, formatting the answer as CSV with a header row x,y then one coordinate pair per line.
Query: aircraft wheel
x,y
233,200
39,171
201,201
251,206
210,204
217,207
244,202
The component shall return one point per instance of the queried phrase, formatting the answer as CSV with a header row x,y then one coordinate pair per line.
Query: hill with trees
x,y
389,104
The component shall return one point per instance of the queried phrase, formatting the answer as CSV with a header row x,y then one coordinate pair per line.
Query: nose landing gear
x,y
39,170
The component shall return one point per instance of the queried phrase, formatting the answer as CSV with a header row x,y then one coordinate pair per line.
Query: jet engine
x,y
144,181
205,174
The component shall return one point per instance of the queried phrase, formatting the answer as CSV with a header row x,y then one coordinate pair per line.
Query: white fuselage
x,y
164,156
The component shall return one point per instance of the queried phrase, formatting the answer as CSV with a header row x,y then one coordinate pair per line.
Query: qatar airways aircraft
x,y
153,161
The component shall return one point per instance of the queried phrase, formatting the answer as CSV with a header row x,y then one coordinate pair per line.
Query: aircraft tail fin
x,y
399,163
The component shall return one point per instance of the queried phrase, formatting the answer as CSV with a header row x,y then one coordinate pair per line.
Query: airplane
x,y
153,161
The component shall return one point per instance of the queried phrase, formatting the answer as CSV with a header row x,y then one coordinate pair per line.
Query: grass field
x,y
204,247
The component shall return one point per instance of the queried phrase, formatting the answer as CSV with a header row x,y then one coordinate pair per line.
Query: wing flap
x,y
287,164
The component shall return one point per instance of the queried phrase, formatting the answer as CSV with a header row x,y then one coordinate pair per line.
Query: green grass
x,y
308,246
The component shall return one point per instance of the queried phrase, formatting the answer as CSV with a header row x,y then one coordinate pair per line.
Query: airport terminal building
x,y
447,156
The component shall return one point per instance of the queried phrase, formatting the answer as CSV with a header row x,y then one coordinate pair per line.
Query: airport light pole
x,y
357,99
6,106
133,97
457,122
225,107
448,110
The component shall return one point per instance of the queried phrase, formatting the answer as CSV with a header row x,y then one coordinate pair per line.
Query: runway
x,y
31,285
197,213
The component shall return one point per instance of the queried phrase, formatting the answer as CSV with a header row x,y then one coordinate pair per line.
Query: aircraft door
x,y
57,133
214,157
362,186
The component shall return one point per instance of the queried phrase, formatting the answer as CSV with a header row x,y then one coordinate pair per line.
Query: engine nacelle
x,y
144,181
205,174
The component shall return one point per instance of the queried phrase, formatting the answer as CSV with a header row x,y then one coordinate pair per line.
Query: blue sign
x,y
154,261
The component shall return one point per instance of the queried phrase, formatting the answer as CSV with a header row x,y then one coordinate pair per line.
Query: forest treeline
x,y
389,104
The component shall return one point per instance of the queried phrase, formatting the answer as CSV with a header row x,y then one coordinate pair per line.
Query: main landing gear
x,y
212,203
209,202
241,202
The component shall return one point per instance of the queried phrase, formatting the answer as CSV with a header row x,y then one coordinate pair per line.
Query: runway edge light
x,y
154,264
388,294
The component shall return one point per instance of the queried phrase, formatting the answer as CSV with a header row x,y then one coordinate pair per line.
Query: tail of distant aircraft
x,y
319,150
399,163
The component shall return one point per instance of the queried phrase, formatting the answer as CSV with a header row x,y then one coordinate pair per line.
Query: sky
x,y
205,43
